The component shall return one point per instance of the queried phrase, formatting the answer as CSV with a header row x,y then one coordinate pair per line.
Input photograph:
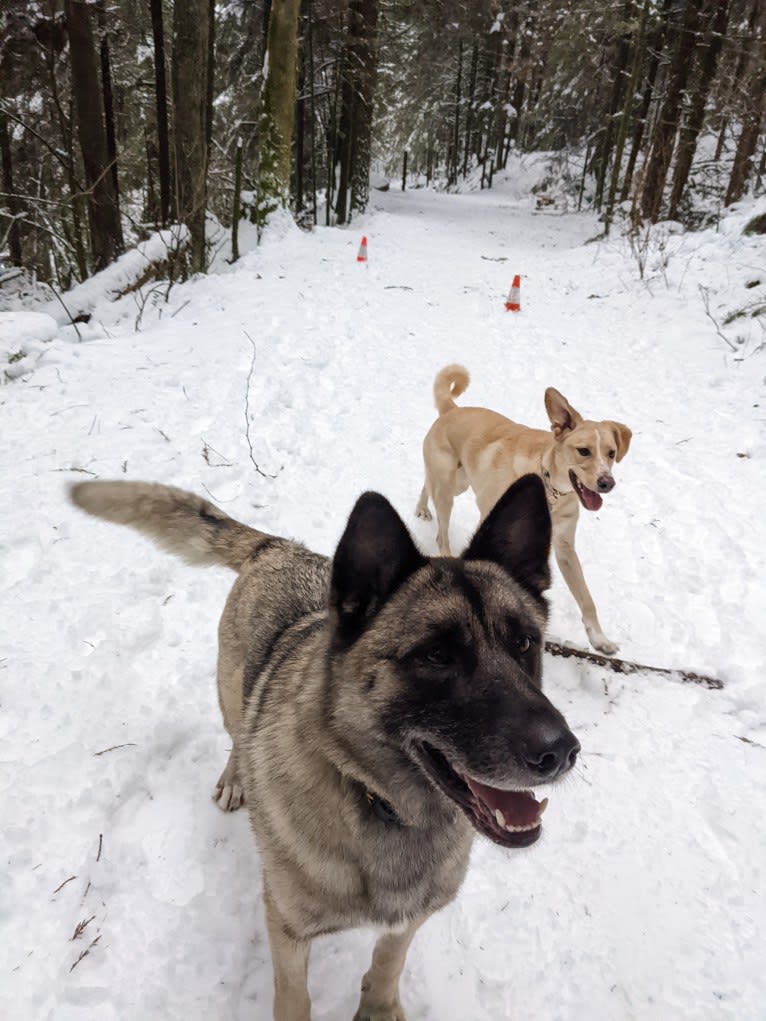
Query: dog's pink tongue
x,y
591,500
519,808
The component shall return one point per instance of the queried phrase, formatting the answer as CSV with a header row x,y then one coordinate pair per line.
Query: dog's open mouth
x,y
509,818
590,500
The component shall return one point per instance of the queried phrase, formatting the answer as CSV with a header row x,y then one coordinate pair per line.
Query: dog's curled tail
x,y
449,383
179,522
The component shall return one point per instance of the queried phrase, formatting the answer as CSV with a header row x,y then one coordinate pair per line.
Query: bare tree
x,y
161,100
357,88
191,39
12,230
683,40
715,15
103,208
753,110
278,108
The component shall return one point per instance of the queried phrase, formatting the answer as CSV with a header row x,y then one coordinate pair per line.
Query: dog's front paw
x,y
424,514
601,643
229,796
392,1012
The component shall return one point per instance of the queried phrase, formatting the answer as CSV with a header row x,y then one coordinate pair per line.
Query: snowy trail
x,y
645,898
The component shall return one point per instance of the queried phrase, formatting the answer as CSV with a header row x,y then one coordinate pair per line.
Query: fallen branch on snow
x,y
626,666
85,952
263,474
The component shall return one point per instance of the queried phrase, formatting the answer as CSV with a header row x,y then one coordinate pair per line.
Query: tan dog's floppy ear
x,y
622,436
563,416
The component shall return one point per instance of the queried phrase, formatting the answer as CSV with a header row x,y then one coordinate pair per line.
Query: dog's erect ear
x,y
517,535
563,416
622,438
374,556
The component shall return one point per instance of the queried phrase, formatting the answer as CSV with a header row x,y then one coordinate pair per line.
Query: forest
x,y
120,117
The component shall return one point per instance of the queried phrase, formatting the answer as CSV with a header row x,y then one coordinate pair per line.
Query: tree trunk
x,y
753,114
495,59
161,95
471,99
103,209
366,77
300,133
210,76
501,119
743,58
746,146
715,16
523,52
191,30
360,60
667,123
106,84
11,198
622,132
453,156
655,46
277,108
236,212
312,109
618,92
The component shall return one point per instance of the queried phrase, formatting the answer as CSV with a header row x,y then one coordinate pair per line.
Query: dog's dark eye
x,y
613,454
436,655
524,644
583,451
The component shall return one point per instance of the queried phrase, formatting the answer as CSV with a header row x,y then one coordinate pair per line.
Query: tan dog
x,y
479,449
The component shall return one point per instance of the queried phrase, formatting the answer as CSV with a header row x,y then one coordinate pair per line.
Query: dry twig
x,y
64,884
85,952
247,413
114,747
705,292
626,666
81,927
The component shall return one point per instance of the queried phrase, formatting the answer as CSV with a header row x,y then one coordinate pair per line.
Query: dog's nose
x,y
553,753
605,484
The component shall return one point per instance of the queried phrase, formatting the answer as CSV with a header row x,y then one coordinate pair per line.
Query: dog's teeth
x,y
543,806
521,829
500,819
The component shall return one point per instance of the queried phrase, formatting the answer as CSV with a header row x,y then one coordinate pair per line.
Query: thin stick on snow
x,y
114,747
60,300
626,666
247,413
706,302
61,887
82,926
85,952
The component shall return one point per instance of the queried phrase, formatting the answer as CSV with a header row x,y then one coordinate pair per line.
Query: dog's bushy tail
x,y
449,383
180,522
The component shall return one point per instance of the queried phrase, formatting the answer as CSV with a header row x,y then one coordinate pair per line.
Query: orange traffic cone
x,y
362,254
513,301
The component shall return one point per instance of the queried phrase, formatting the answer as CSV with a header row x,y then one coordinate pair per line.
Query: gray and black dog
x,y
383,706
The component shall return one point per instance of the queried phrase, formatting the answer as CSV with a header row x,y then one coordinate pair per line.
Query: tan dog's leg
x,y
228,793
443,496
290,960
571,569
421,510
380,986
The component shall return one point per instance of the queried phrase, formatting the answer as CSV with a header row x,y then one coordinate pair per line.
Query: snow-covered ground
x,y
646,896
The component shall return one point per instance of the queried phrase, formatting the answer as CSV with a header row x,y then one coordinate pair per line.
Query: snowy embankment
x,y
283,386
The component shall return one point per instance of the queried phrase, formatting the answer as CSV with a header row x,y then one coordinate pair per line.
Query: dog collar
x,y
382,809
550,489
